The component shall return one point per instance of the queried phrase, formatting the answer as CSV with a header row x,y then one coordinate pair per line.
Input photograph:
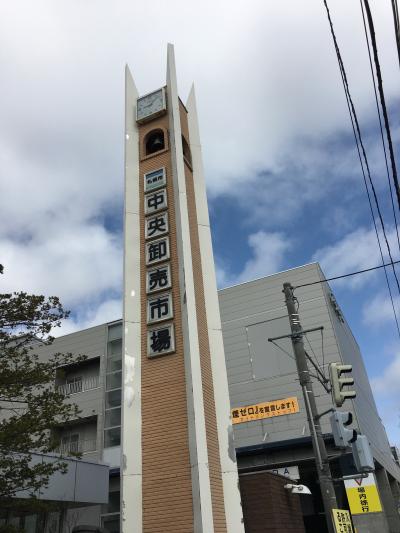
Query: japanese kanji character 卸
x,y
157,250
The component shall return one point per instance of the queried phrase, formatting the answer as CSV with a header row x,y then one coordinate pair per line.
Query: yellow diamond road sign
x,y
362,495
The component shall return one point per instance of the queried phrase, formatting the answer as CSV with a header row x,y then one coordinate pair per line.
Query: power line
x,y
283,350
395,10
380,125
359,143
382,97
345,275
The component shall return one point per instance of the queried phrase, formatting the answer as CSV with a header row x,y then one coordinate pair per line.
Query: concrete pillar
x,y
388,503
395,488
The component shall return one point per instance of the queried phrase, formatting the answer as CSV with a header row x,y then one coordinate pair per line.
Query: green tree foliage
x,y
31,408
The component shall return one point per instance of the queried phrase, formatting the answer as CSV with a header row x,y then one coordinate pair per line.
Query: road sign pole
x,y
323,469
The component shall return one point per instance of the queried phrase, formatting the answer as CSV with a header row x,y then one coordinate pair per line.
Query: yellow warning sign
x,y
363,496
287,406
342,521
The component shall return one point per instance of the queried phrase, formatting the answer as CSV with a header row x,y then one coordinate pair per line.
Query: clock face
x,y
150,104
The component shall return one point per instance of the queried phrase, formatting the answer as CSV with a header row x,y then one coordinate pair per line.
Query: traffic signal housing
x,y
342,435
337,383
362,455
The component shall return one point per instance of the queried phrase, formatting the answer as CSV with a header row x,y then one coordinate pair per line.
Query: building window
x,y
112,411
113,417
187,155
111,523
70,443
154,142
112,437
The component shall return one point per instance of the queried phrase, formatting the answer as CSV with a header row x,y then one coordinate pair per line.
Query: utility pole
x,y
321,456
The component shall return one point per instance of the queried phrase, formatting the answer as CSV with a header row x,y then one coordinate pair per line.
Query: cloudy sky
x,y
284,181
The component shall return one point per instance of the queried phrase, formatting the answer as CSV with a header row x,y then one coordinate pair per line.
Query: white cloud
x,y
77,263
107,311
358,250
378,310
259,91
388,382
267,255
387,394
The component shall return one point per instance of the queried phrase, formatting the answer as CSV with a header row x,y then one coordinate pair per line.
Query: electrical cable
x,y
359,143
311,348
344,275
382,97
395,10
380,125
283,350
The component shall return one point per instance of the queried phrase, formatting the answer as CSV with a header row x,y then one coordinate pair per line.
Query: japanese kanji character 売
x,y
158,279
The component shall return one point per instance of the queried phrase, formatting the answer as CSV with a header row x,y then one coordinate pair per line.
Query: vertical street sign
x,y
362,495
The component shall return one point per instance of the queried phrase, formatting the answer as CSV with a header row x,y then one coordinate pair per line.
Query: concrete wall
x,y
90,342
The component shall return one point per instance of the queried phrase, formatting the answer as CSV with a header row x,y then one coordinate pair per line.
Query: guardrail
x,y
76,387
82,446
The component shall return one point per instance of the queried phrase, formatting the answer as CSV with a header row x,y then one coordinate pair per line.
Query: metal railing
x,y
79,386
82,446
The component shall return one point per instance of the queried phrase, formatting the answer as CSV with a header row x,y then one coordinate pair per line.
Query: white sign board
x,y
292,472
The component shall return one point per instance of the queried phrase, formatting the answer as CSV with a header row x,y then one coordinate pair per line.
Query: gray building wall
x,y
364,406
258,371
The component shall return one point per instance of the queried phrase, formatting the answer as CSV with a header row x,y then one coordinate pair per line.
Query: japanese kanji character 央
x,y
156,225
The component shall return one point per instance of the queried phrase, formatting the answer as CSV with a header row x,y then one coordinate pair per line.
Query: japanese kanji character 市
x,y
159,308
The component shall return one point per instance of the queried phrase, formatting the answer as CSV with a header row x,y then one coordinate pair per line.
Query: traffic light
x,y
337,383
342,435
362,455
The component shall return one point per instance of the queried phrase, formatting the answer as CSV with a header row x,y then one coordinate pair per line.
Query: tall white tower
x,y
179,469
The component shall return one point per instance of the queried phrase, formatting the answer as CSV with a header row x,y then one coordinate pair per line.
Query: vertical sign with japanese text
x,y
342,521
160,337
362,495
